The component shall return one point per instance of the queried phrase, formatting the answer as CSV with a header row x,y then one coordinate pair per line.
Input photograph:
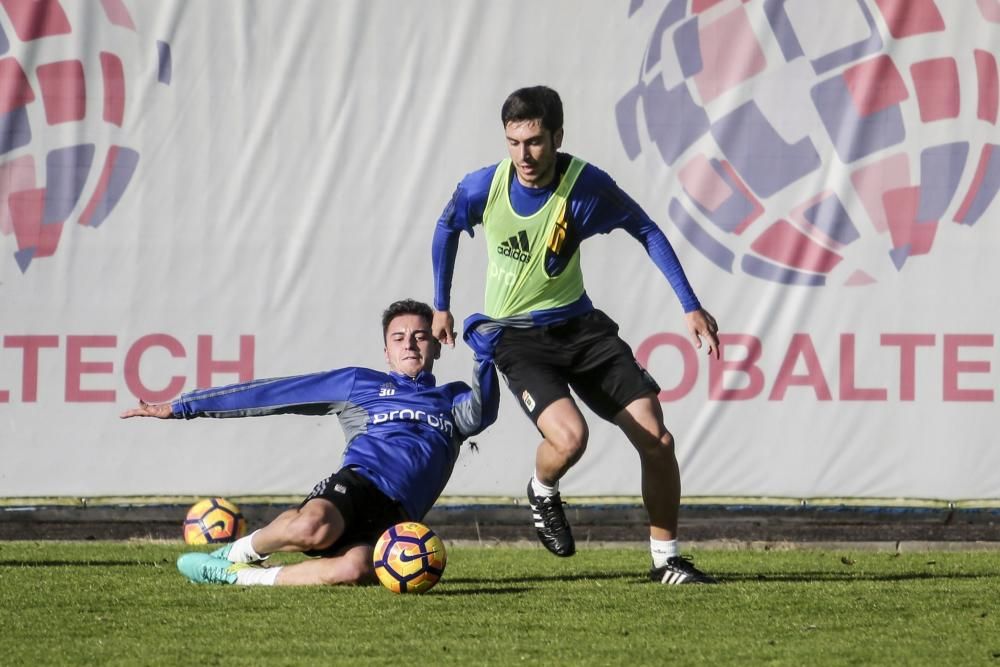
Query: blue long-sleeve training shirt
x,y
402,433
597,206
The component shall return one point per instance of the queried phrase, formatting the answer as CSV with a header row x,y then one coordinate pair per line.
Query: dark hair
x,y
405,307
534,103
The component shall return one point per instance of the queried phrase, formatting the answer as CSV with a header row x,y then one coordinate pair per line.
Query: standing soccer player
x,y
403,435
536,207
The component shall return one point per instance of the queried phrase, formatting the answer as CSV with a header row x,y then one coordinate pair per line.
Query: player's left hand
x,y
701,324
158,410
443,327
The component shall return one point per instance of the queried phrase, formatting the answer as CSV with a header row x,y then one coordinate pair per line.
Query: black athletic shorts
x,y
366,510
540,364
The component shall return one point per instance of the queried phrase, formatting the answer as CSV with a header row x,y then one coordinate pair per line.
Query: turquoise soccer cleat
x,y
203,568
225,550
222,552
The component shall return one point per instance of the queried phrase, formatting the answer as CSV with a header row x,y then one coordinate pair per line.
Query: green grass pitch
x,y
95,603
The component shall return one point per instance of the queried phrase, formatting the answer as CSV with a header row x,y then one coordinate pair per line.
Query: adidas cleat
x,y
551,524
680,570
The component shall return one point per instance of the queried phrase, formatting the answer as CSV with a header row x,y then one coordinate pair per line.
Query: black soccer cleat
x,y
550,522
680,570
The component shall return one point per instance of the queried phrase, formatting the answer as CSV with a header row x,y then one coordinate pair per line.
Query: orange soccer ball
x,y
409,558
214,520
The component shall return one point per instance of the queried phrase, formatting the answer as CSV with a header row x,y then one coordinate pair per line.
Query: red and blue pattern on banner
x,y
32,208
759,196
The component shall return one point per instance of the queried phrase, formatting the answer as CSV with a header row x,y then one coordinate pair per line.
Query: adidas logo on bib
x,y
516,247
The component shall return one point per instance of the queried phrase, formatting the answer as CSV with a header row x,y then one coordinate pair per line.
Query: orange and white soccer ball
x,y
409,558
214,520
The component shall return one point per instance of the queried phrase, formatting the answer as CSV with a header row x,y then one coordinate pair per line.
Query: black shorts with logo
x,y
366,510
540,364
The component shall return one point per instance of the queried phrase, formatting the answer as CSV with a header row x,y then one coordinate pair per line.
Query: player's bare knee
x,y
570,441
352,570
310,532
652,444
347,572
360,574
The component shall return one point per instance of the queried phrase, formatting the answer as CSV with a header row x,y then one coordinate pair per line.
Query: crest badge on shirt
x,y
528,401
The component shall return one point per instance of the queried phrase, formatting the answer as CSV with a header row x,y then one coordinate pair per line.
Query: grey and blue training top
x,y
402,433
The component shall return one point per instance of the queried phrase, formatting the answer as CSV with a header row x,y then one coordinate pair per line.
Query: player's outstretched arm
x,y
443,327
701,324
158,410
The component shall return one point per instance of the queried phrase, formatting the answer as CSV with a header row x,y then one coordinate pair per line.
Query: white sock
x,y
662,551
243,551
542,490
257,576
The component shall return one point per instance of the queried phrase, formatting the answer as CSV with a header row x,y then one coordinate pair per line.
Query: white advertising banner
x,y
199,193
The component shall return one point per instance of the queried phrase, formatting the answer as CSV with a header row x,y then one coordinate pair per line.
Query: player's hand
x,y
701,324
443,327
158,410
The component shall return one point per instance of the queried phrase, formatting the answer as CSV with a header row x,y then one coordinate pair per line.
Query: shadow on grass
x,y
798,577
507,585
538,579
806,577
480,590
82,563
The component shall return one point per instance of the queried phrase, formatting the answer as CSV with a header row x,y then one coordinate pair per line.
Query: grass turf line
x,y
86,603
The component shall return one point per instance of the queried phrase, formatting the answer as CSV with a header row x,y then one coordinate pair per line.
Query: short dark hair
x,y
405,307
534,103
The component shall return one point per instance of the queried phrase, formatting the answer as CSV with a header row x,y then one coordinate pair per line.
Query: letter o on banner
x,y
689,373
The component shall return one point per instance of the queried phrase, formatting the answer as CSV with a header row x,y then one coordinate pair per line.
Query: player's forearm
x,y
663,255
477,409
444,249
488,387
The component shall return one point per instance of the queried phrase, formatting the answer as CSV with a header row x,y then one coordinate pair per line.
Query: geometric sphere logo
x,y
74,78
814,143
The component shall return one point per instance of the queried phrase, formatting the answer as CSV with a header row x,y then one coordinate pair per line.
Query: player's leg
x,y
362,512
613,385
242,550
313,527
366,512
642,423
531,362
565,435
535,364
352,566
339,521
